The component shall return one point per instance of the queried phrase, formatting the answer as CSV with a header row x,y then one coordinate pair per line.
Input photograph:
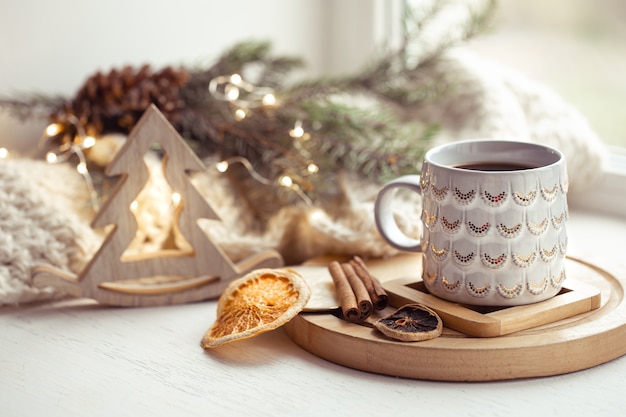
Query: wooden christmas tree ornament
x,y
199,271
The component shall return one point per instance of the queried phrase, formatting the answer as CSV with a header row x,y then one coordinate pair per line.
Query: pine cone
x,y
114,102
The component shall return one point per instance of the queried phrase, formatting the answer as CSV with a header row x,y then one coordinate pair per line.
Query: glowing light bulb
x,y
316,215
88,142
81,168
286,181
312,168
269,99
240,114
4,153
176,198
297,131
235,79
232,92
222,166
53,129
51,157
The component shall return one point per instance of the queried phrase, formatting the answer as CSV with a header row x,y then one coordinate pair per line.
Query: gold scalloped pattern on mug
x,y
424,183
464,198
450,226
557,221
464,259
439,193
512,292
557,281
563,246
430,220
524,261
524,199
430,278
478,292
537,229
548,255
493,262
450,286
439,254
550,194
537,288
509,232
477,231
494,200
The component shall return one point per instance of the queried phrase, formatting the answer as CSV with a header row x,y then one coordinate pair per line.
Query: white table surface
x,y
76,358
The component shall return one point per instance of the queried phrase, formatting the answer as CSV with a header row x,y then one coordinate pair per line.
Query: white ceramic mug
x,y
493,215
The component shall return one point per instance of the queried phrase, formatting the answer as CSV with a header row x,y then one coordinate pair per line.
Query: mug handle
x,y
383,213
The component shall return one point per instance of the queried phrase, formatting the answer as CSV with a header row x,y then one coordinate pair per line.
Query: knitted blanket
x,y
45,216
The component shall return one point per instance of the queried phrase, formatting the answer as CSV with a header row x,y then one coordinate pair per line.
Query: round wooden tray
x,y
567,345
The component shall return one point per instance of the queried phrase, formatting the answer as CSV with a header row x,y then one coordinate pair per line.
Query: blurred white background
x,y
577,47
574,46
53,46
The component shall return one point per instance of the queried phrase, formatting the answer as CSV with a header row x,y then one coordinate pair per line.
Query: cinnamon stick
x,y
347,299
363,299
377,293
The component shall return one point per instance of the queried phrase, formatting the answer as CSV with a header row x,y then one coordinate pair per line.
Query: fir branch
x,y
31,106
356,122
369,141
240,58
433,27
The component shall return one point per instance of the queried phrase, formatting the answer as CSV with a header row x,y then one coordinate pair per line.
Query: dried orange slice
x,y
260,301
411,323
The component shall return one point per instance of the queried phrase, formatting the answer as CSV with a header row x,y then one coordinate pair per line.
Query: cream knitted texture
x,y
486,100
43,221
298,232
40,224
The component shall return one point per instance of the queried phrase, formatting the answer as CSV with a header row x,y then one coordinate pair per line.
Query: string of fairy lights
x,y
242,98
74,147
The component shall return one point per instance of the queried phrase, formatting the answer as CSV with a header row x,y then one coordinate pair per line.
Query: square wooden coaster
x,y
575,297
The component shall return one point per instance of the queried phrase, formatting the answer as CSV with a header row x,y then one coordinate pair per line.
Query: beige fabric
x,y
487,100
42,221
